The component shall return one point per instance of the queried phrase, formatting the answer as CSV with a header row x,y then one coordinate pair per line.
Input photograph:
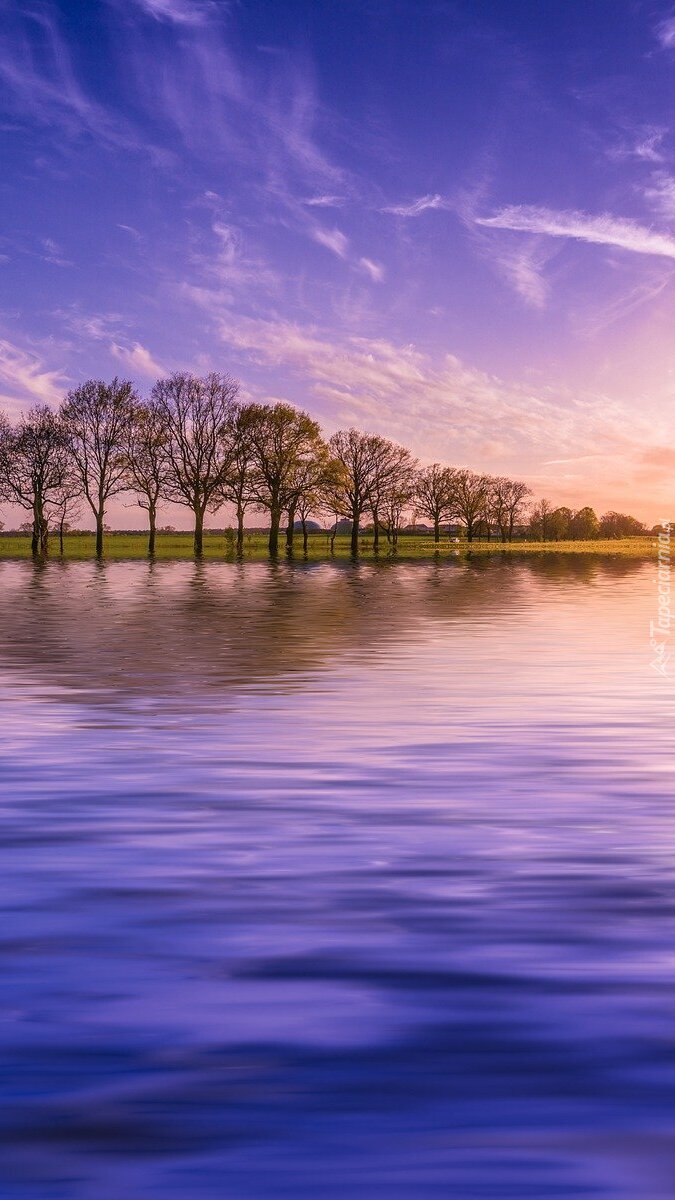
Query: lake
x,y
336,881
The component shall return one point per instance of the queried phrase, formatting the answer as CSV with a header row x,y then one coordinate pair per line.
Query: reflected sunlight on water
x,y
336,881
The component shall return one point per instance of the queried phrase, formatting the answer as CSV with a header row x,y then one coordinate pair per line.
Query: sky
x,y
449,223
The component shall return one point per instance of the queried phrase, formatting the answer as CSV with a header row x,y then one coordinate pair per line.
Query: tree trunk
x,y
61,538
355,534
99,533
437,528
469,532
44,537
275,521
290,528
240,530
376,533
35,533
152,518
304,537
199,532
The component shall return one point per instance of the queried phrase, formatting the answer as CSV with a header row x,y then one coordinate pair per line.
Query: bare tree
x,y
238,488
288,457
396,501
145,449
391,468
34,466
96,416
197,413
65,508
434,495
487,515
310,477
469,499
309,505
350,484
496,507
517,499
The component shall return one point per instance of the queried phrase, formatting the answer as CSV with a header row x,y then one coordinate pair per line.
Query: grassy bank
x,y
217,546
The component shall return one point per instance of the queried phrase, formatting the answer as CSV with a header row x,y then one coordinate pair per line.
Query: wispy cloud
x,y
644,144
97,326
231,264
113,329
262,112
603,229
424,402
332,239
522,269
179,12
374,269
665,32
24,378
54,254
590,324
660,194
416,207
40,81
138,359
325,201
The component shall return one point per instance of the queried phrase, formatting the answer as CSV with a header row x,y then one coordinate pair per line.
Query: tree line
x,y
195,443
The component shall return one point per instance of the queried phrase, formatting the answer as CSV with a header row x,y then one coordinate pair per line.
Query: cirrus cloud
x,y
138,359
24,378
602,230
416,207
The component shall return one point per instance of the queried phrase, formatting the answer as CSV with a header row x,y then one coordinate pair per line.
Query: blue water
x,y
333,881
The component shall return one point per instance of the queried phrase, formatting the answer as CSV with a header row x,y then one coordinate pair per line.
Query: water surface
x,y
336,881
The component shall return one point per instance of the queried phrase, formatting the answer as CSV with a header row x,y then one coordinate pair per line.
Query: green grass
x,y
216,546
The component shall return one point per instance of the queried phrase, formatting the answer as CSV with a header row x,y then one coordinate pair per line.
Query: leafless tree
x,y
147,461
34,465
391,471
238,488
310,504
518,495
434,495
496,504
96,416
469,499
197,412
65,508
288,456
310,478
396,501
350,484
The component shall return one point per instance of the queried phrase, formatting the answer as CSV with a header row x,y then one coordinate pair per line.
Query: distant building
x,y
311,527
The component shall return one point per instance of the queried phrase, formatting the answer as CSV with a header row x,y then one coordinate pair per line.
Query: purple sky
x,y
451,223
